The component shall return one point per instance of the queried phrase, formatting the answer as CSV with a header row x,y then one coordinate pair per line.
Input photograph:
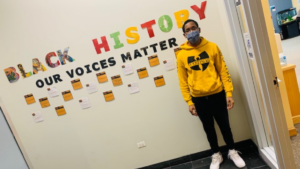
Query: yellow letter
x,y
129,34
181,17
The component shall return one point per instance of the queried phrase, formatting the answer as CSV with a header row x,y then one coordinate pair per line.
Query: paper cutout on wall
x,y
44,102
148,25
67,95
49,62
60,110
159,81
52,91
37,66
76,84
176,51
200,11
142,72
22,71
64,56
133,88
37,116
91,87
116,80
181,16
11,74
108,95
169,64
118,43
98,45
127,69
135,36
84,103
29,98
165,19
153,60
101,77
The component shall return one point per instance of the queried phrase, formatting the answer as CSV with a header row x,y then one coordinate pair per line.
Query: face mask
x,y
193,37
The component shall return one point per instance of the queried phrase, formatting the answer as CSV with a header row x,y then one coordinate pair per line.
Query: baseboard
x,y
293,132
245,147
296,119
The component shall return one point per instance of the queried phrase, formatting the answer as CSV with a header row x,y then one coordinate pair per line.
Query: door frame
x,y
15,135
260,31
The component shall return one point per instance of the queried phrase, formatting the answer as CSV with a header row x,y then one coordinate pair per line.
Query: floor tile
x,y
202,162
203,167
180,160
183,166
200,155
159,165
262,167
253,160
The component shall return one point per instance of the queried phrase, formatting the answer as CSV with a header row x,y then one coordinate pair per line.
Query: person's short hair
x,y
186,22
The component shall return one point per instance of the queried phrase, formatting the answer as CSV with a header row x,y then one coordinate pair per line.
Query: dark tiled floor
x,y
253,161
202,160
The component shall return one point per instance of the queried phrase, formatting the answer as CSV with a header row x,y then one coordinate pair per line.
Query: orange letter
x,y
11,74
181,17
129,34
37,66
23,73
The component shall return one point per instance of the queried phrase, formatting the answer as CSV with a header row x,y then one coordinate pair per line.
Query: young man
x,y
206,86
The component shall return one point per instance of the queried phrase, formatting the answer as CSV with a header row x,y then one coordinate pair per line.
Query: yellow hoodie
x,y
202,71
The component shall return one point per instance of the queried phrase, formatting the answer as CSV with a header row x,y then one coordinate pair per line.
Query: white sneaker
x,y
235,157
216,161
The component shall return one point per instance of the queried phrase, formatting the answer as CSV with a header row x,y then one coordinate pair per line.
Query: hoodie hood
x,y
186,46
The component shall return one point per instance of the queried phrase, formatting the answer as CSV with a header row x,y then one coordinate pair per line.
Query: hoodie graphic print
x,y
202,71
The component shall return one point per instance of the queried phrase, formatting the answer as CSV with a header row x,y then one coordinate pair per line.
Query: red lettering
x,y
98,46
148,25
200,11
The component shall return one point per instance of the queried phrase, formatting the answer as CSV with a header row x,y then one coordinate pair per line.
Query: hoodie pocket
x,y
202,86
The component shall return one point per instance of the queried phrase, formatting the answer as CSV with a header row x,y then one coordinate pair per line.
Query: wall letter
x,y
64,56
200,11
88,70
172,42
79,71
103,64
137,54
50,81
98,46
148,25
48,60
124,58
161,23
111,61
57,78
23,73
11,74
145,50
71,74
181,17
118,43
94,66
37,66
135,36
39,83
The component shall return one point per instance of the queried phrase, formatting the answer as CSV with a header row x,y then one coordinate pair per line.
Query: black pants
x,y
210,108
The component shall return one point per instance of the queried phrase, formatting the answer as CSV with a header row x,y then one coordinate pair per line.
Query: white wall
x,y
105,135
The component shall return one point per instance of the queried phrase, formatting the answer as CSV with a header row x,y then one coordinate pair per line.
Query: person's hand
x,y
192,110
230,103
